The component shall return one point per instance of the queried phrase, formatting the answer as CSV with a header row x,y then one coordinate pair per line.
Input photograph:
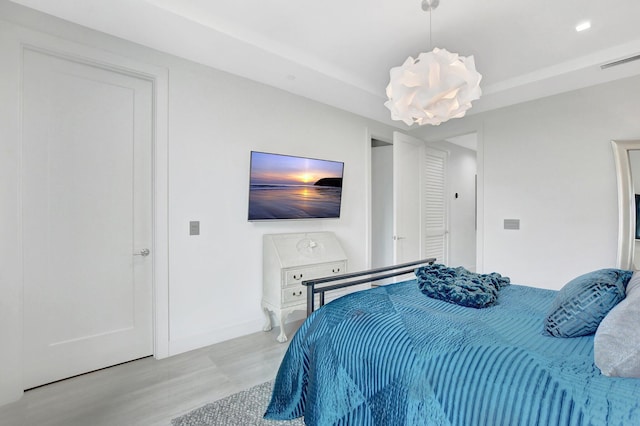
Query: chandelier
x,y
434,87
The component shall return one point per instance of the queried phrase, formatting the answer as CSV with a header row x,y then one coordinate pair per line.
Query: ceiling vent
x,y
620,62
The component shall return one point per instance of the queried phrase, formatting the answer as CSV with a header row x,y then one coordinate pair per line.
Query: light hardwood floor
x,y
152,392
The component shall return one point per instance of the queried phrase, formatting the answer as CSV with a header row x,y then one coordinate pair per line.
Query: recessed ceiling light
x,y
583,26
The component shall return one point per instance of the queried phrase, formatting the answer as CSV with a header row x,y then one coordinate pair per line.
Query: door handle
x,y
144,252
396,238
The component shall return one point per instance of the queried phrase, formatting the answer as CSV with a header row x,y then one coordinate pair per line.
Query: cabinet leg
x,y
267,323
282,337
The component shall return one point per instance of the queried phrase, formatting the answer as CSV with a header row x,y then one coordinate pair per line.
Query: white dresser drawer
x,y
296,276
294,295
293,277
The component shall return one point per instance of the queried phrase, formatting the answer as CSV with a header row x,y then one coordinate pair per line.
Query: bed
x,y
393,356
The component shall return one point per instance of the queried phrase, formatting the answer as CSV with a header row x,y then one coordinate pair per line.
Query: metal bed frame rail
x,y
371,275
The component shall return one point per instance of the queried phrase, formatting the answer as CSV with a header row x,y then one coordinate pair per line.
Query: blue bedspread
x,y
393,356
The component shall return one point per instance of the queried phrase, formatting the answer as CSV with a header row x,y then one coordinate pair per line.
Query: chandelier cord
x,y
430,30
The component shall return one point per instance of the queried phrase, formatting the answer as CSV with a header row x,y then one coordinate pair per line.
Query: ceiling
x,y
339,52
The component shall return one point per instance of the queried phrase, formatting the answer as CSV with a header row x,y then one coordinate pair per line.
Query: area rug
x,y
240,409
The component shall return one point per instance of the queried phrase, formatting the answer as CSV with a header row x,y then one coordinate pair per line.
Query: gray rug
x,y
244,408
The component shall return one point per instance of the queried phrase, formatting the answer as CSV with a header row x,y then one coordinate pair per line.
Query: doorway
x,y
87,217
460,198
381,205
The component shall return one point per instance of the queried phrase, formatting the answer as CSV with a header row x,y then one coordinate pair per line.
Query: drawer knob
x,y
298,293
297,277
336,270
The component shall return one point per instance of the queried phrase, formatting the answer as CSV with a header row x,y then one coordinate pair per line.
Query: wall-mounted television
x,y
288,187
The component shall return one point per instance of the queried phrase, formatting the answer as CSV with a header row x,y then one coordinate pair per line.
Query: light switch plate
x,y
194,227
512,224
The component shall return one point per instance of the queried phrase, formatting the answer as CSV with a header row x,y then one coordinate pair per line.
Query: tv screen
x,y
288,187
637,217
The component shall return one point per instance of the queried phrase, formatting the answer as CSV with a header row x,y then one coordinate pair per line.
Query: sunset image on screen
x,y
287,187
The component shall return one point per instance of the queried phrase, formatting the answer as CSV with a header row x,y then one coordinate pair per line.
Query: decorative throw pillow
x,y
616,345
584,301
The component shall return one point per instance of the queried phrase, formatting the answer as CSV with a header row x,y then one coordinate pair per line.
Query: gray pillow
x,y
616,344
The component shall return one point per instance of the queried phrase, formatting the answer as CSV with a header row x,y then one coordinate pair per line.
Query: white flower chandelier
x,y
434,87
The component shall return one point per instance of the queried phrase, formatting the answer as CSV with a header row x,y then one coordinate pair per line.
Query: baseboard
x,y
198,341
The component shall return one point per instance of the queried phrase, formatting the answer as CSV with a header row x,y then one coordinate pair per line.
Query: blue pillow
x,y
584,301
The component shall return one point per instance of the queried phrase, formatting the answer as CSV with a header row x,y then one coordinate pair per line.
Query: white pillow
x,y
617,341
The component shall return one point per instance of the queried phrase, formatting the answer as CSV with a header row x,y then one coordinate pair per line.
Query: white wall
x,y
215,120
549,163
381,206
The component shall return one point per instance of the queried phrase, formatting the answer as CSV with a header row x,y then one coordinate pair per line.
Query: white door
x,y
407,154
434,208
86,185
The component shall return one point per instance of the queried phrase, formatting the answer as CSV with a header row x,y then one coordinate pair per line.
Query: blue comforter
x,y
393,356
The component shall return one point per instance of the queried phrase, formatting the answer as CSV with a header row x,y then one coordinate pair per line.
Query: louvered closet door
x,y
434,208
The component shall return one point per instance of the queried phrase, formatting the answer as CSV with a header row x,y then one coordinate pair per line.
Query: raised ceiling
x,y
339,52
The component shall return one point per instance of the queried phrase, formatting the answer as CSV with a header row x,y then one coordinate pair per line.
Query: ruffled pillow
x,y
616,345
584,301
460,286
